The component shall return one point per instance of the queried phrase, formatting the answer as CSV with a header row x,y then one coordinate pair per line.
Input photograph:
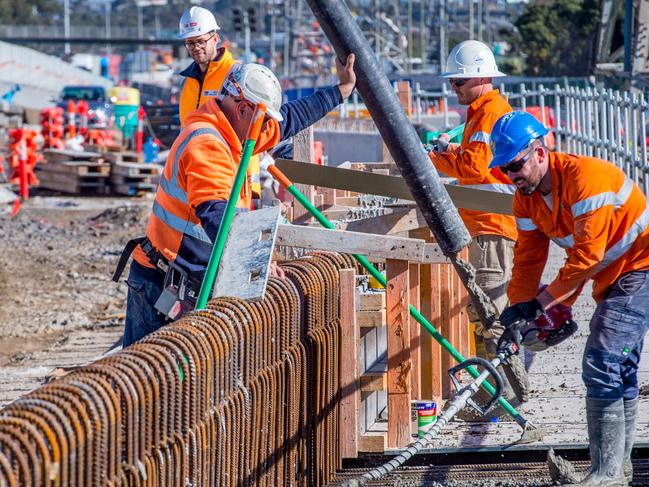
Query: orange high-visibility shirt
x,y
201,167
598,215
470,165
197,89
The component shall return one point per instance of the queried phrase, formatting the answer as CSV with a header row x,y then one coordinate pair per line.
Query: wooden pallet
x,y
133,189
130,178
136,169
64,155
81,168
70,181
124,157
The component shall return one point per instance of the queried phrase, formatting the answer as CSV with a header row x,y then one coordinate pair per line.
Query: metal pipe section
x,y
401,139
395,128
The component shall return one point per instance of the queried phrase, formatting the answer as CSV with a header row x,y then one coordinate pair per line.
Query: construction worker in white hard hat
x,y
204,77
195,185
470,69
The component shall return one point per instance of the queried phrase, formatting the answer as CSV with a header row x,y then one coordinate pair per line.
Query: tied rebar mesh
x,y
240,393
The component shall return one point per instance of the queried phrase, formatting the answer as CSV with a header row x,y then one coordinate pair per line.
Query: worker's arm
x,y
304,112
301,114
470,162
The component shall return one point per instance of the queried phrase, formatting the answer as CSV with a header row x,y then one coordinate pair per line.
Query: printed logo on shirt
x,y
210,92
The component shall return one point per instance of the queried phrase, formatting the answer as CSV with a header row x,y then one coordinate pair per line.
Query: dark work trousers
x,y
144,289
617,330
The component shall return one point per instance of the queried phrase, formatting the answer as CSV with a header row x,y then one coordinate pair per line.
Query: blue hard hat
x,y
512,133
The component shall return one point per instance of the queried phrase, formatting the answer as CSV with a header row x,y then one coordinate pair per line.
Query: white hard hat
x,y
471,59
256,83
196,21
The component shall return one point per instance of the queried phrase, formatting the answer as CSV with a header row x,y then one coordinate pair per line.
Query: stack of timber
x,y
133,178
130,175
74,172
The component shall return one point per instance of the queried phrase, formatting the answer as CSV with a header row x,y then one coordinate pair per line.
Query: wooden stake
x,y
415,333
349,342
399,363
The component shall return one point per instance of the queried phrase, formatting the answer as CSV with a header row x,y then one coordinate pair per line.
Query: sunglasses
x,y
516,165
458,81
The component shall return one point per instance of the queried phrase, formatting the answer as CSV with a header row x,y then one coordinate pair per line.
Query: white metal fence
x,y
602,123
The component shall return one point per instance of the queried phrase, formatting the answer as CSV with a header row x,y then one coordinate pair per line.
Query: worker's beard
x,y
525,186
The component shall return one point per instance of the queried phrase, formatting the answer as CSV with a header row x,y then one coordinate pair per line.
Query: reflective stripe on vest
x,y
172,188
480,137
603,199
525,224
183,226
625,243
613,253
494,187
564,242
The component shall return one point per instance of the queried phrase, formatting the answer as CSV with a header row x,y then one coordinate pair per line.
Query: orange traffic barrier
x,y
52,127
72,122
139,135
23,160
82,109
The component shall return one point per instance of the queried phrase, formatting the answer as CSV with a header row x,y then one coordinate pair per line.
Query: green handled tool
x,y
217,250
454,135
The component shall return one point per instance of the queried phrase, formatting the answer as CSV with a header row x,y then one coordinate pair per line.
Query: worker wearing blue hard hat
x,y
512,133
601,218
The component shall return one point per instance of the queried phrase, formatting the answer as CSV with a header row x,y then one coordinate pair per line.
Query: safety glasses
x,y
199,44
516,166
458,81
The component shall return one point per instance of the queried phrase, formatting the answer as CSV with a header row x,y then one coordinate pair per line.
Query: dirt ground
x,y
56,261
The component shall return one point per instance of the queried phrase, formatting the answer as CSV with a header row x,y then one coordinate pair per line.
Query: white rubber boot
x,y
606,436
630,415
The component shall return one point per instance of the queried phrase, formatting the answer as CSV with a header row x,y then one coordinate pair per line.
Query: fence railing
x,y
603,123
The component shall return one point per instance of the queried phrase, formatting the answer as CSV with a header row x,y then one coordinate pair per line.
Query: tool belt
x,y
159,261
180,289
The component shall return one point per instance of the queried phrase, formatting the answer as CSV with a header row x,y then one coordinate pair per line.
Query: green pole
x,y
452,134
224,228
279,176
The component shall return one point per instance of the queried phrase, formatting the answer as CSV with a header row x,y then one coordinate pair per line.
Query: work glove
x,y
510,341
520,313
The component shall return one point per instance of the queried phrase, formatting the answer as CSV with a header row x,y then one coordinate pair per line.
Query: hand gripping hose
x,y
217,250
459,400
530,432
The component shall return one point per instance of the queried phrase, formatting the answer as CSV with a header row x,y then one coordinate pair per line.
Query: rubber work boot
x,y
606,433
630,415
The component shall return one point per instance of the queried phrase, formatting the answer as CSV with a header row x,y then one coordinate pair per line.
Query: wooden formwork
x,y
388,359
416,363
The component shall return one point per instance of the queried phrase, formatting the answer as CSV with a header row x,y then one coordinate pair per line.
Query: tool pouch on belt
x,y
180,289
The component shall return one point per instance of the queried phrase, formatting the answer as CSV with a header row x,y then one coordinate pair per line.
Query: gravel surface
x,y
56,260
